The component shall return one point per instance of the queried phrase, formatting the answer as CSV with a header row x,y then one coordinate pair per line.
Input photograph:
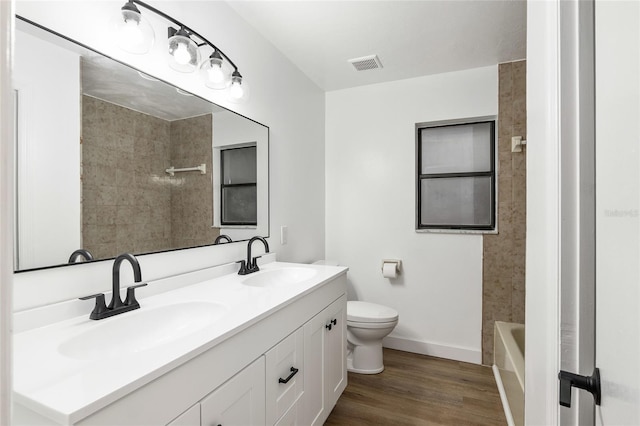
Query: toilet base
x,y
365,359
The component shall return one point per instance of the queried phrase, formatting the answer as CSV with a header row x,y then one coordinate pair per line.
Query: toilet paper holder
x,y
398,263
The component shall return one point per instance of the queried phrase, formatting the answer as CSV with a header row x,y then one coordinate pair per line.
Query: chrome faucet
x,y
86,254
251,264
221,237
117,306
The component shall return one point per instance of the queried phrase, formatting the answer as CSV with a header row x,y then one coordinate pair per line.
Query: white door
x,y
617,35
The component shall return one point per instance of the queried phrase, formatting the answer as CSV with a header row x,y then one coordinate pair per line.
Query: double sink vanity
x,y
209,347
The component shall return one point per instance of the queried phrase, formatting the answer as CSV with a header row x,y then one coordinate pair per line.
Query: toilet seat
x,y
371,325
366,312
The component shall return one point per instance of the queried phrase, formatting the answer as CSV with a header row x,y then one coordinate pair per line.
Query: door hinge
x,y
588,383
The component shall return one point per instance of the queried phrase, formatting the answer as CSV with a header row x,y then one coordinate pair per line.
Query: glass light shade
x,y
214,73
238,91
134,34
184,55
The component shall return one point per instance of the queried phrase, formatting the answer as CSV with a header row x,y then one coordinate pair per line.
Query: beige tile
x,y
106,195
103,251
125,215
125,196
105,234
505,168
519,78
518,301
505,79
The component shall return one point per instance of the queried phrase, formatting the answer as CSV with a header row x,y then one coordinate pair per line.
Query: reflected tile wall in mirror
x,y
130,204
192,193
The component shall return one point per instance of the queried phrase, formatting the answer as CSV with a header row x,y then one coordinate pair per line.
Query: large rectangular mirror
x,y
111,160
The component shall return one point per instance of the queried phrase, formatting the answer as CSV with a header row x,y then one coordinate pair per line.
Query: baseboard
x,y
433,349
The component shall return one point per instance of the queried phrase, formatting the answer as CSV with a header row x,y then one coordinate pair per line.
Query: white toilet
x,y
367,324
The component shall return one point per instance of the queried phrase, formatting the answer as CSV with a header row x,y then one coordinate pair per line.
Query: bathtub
x,y
508,368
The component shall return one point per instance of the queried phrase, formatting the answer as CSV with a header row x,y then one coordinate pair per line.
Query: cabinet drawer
x,y
240,401
284,375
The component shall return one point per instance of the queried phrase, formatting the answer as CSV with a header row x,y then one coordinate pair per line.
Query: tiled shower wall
x,y
503,295
129,203
126,203
192,192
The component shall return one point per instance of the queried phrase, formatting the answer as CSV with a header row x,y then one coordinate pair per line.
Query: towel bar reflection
x,y
202,168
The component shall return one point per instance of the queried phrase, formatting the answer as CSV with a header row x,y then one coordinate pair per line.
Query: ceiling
x,y
411,38
111,81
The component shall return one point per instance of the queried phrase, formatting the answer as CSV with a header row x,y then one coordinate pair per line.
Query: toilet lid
x,y
370,312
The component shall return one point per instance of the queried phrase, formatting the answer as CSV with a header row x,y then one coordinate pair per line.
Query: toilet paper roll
x,y
389,270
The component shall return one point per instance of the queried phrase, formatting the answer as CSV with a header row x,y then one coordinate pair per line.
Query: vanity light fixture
x,y
184,47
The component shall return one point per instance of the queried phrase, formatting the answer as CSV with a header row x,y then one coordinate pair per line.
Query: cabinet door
x,y
240,401
314,399
324,361
284,376
335,352
191,417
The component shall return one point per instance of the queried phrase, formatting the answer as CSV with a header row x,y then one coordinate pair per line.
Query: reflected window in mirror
x,y
239,186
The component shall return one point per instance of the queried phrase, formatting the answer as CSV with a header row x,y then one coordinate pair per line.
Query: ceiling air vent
x,y
371,62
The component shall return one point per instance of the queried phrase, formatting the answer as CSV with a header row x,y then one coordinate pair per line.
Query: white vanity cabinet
x,y
325,361
236,378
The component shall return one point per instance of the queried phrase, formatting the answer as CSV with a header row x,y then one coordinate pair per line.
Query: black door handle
x,y
588,383
293,373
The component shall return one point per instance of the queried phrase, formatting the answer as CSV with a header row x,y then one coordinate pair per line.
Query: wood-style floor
x,y
420,390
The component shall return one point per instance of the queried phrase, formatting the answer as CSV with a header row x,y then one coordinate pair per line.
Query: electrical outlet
x,y
284,231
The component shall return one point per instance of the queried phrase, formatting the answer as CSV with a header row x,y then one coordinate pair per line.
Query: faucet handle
x,y
130,300
243,267
101,306
254,264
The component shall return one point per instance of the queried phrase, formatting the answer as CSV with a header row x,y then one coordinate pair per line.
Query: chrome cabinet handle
x,y
293,373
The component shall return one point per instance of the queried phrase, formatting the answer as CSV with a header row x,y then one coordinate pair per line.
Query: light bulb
x,y
134,34
215,74
236,91
181,54
131,31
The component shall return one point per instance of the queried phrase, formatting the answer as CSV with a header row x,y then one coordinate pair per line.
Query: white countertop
x,y
67,388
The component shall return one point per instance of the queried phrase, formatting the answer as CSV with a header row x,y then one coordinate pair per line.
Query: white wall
x,y
48,178
370,209
281,98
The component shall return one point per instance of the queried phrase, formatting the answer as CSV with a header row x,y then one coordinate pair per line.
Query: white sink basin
x,y
141,330
282,277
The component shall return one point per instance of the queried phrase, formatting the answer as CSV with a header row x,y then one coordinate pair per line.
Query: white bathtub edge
x,y
503,395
